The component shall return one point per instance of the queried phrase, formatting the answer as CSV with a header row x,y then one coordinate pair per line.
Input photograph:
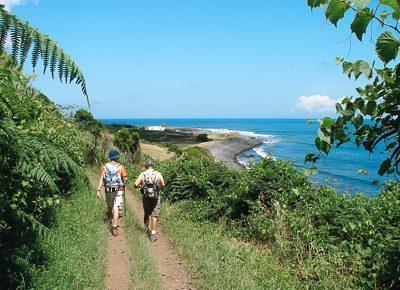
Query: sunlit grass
x,y
77,247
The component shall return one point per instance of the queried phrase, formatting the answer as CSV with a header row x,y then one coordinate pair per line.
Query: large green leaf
x,y
336,10
361,22
387,47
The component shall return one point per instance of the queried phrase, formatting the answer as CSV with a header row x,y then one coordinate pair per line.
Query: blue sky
x,y
186,58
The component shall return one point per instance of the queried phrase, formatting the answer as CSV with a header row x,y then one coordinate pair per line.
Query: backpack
x,y
150,187
112,177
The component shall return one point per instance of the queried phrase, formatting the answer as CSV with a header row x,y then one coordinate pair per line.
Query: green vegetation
x,y
202,138
42,154
128,143
327,238
173,148
195,152
100,141
219,262
143,273
370,120
76,249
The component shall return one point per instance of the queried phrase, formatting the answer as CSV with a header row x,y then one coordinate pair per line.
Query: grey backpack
x,y
150,187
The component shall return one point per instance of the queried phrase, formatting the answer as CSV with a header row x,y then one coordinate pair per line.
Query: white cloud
x,y
9,4
317,104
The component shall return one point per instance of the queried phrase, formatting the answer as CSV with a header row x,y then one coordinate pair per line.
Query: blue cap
x,y
113,154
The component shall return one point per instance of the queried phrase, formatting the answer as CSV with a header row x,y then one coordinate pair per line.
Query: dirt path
x,y
118,265
170,267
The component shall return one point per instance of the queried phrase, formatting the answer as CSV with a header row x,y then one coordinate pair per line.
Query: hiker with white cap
x,y
150,182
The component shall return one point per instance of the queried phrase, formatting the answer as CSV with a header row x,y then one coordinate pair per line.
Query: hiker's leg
x,y
154,214
109,212
115,212
146,213
153,223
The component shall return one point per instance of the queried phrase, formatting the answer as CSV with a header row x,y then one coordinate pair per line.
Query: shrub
x,y
202,138
274,203
128,142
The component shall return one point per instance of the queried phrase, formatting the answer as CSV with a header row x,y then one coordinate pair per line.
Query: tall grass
x,y
76,248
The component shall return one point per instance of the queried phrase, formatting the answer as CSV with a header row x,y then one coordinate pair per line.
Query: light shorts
x,y
114,198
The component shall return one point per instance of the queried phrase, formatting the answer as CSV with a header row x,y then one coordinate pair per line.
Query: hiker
x,y
113,176
151,182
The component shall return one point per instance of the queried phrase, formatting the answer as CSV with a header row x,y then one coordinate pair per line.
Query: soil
x,y
118,265
172,270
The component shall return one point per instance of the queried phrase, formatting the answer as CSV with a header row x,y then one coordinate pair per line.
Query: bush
x,y
274,203
172,148
128,142
202,138
41,158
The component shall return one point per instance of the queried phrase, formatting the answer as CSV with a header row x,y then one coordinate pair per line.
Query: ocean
x,y
290,139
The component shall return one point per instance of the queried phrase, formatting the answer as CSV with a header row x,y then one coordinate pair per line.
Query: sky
x,y
197,59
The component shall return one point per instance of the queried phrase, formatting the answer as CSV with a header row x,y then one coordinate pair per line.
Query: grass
x,y
143,270
76,247
218,262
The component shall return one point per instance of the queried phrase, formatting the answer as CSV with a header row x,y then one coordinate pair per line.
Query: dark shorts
x,y
151,206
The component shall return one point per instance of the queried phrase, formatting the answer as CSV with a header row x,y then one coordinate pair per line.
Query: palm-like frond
x,y
22,38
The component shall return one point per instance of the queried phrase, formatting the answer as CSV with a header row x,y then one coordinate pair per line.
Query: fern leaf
x,y
46,54
26,42
5,26
61,65
15,39
53,59
37,48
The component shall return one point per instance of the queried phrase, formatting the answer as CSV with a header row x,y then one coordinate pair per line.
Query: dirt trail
x,y
118,265
170,267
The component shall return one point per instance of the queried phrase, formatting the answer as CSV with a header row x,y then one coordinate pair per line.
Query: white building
x,y
156,128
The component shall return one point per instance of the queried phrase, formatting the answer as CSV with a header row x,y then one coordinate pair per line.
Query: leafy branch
x,y
371,120
25,38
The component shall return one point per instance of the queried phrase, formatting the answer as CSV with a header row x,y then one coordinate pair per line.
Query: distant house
x,y
156,128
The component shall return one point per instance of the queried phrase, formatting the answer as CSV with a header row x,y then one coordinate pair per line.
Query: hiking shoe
x,y
114,231
153,237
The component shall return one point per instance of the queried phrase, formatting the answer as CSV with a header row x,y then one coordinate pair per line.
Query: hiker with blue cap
x,y
113,176
150,182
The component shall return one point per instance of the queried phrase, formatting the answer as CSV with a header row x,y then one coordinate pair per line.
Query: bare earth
x,y
172,270
118,265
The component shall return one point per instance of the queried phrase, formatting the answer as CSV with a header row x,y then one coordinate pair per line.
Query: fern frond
x,y
5,26
61,65
37,49
22,36
46,54
53,59
15,39
26,42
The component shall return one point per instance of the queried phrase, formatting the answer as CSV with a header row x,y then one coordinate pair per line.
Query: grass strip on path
x,y
76,248
143,272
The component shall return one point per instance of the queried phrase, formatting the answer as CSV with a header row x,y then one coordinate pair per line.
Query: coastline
x,y
225,147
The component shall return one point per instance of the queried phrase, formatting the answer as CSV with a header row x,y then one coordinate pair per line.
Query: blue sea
x,y
290,139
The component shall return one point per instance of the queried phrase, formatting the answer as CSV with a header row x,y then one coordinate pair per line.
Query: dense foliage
x,y
129,143
98,134
273,203
372,119
41,154
202,137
